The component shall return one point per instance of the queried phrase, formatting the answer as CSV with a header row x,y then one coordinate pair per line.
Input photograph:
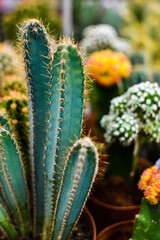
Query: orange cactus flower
x,y
150,184
108,67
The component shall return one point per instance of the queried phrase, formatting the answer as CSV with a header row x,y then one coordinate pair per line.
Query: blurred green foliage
x,y
90,12
41,10
141,27
85,13
113,18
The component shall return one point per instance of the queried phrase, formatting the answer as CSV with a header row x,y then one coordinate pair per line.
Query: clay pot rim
x,y
130,222
113,207
92,223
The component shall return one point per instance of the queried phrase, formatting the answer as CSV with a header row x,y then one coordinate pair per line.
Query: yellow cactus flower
x,y
108,67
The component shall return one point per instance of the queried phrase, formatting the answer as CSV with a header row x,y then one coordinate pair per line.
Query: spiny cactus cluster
x,y
102,36
62,172
142,105
124,128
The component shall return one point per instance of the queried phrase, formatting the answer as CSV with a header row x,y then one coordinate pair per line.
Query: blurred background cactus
x,y
107,69
102,36
141,24
11,70
134,116
41,9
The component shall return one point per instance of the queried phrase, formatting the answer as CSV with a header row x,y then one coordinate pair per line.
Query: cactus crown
x,y
147,223
62,174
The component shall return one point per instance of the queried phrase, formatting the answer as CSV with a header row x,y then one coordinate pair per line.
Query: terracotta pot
x,y
120,231
90,220
105,214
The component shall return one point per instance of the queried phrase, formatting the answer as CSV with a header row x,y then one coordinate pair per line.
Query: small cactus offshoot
x,y
63,166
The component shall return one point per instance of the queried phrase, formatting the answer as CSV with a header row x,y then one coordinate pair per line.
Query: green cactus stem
x,y
37,63
79,173
13,182
65,121
63,167
147,223
6,225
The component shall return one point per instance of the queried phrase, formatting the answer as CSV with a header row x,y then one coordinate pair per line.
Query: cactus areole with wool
x,y
64,165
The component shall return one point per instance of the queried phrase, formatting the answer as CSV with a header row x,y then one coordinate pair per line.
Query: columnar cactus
x,y
62,174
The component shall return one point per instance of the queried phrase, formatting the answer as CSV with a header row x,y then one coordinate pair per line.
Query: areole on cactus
x,y
63,166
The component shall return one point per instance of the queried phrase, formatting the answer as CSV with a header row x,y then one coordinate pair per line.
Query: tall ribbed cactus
x,y
63,167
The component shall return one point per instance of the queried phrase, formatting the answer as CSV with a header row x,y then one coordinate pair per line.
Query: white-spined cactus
x,y
134,117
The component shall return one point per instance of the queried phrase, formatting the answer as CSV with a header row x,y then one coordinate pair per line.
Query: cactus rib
x,y
65,117
16,191
5,224
81,166
37,62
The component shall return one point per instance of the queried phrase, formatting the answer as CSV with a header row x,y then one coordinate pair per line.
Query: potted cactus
x,y
107,70
133,119
63,167
146,225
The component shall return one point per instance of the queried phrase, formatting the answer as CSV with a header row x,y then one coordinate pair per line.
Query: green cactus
x,y
138,75
134,117
137,58
13,185
147,223
15,105
62,172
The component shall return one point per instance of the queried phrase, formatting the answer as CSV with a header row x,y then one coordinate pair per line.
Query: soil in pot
x,y
84,230
118,231
110,203
113,190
